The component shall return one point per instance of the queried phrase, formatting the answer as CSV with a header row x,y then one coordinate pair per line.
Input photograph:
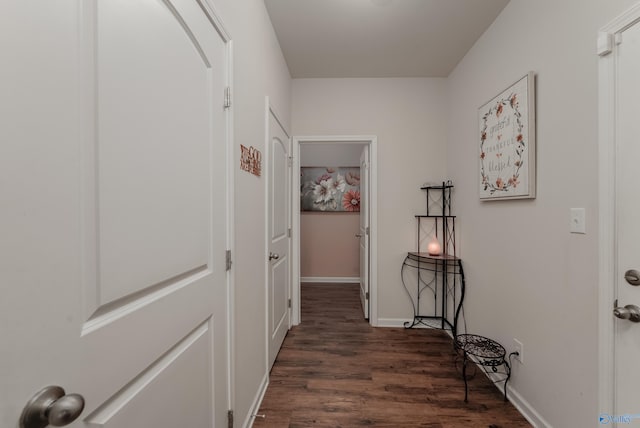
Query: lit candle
x,y
434,247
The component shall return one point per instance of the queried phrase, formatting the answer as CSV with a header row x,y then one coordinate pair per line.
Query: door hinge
x,y
366,231
290,161
227,97
366,295
289,233
605,43
230,418
228,261
289,302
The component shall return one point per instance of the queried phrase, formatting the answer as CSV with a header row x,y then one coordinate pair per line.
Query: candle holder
x,y
434,248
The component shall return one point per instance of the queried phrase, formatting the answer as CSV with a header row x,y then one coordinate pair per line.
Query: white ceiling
x,y
378,38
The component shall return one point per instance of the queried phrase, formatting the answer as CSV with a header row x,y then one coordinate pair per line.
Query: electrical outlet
x,y
519,348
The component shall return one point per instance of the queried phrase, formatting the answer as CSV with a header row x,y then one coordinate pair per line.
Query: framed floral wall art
x,y
507,144
330,189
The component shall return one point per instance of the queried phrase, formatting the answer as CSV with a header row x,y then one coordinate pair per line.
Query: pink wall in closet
x,y
328,245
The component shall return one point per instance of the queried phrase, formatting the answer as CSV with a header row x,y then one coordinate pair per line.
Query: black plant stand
x,y
488,354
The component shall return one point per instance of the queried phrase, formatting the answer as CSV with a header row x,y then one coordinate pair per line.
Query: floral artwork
x,y
330,189
507,143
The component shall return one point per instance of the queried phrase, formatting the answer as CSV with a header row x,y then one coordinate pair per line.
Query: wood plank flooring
x,y
334,370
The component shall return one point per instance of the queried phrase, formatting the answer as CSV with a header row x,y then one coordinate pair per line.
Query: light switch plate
x,y
577,222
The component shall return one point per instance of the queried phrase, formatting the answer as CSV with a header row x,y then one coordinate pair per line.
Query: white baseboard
x,y
522,405
392,322
257,401
399,323
526,409
331,279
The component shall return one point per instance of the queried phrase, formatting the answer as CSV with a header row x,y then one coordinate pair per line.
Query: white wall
x,y
527,277
259,71
408,115
330,154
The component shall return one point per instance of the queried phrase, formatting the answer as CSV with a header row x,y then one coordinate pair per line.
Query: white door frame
x,y
606,190
372,142
218,24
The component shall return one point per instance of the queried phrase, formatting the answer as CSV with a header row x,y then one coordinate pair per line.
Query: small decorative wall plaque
x,y
506,133
250,160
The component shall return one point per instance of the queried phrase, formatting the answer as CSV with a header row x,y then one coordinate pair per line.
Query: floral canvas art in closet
x,y
330,189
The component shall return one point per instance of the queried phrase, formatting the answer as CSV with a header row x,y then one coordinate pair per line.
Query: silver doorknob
x,y
632,276
629,312
51,406
273,256
358,235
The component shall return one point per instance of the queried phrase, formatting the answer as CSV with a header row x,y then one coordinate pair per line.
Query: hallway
x,y
334,370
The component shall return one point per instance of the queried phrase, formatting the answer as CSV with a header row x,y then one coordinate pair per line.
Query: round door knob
x,y
632,276
629,312
51,406
274,256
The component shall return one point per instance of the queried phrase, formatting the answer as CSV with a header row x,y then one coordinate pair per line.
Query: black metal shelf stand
x,y
439,278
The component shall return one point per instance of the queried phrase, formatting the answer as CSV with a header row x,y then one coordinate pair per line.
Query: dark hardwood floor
x,y
334,370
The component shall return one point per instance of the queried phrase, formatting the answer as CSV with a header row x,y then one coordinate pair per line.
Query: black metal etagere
x,y
439,292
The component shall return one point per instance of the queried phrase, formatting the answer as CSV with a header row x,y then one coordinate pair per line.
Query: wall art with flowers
x,y
330,189
506,141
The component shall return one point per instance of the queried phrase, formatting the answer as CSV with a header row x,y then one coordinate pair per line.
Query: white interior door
x,y
363,234
627,334
114,213
279,270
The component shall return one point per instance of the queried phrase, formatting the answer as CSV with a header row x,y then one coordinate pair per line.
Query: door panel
x,y
163,233
116,234
279,298
627,334
279,241
279,187
179,381
364,231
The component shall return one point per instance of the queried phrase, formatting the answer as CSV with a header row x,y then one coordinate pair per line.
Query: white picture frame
x,y
507,143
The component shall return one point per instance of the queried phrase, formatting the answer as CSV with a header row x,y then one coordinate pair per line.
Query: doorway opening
x,y
360,145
